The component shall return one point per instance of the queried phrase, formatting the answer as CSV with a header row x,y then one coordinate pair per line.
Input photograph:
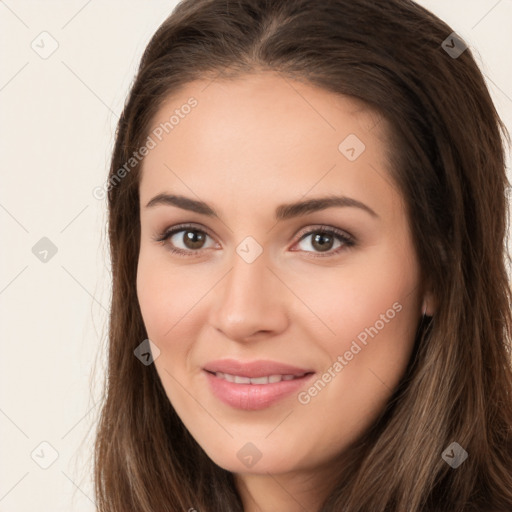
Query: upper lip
x,y
253,369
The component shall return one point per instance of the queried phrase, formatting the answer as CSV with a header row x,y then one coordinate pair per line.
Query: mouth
x,y
254,385
267,379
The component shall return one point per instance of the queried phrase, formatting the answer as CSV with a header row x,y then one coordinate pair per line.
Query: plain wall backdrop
x,y
66,67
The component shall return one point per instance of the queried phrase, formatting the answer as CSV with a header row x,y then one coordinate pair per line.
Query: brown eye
x,y
323,240
193,239
185,240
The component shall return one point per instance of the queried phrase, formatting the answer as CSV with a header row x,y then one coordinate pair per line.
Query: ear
x,y
429,305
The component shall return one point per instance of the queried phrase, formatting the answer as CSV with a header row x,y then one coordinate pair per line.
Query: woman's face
x,y
258,292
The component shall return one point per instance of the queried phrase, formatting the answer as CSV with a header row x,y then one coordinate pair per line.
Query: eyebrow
x,y
283,211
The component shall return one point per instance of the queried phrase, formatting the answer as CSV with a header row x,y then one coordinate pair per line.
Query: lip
x,y
252,397
253,369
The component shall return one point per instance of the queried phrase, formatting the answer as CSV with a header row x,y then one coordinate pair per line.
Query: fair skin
x,y
250,145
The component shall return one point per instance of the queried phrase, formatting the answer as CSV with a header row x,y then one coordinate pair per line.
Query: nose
x,y
250,301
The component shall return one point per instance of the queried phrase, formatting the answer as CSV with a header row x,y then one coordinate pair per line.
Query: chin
x,y
249,459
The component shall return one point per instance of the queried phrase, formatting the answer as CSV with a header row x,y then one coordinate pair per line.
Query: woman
x,y
310,306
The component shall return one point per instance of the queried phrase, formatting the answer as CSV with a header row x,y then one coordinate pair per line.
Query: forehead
x,y
264,104
264,134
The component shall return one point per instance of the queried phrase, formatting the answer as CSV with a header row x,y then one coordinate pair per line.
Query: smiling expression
x,y
262,280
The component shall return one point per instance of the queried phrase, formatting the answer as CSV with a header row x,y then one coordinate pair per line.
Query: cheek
x,y
381,294
167,294
166,299
155,295
374,330
372,310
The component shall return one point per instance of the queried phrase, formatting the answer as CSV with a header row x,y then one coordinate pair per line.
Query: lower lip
x,y
253,397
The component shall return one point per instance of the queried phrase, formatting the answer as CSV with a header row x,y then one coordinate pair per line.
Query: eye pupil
x,y
193,239
323,240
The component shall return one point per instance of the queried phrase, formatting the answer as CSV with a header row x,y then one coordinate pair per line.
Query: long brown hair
x,y
447,150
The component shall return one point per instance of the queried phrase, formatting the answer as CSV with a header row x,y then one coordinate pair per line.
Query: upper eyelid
x,y
176,229
308,230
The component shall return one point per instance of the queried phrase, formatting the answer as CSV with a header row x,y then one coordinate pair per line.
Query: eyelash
x,y
347,240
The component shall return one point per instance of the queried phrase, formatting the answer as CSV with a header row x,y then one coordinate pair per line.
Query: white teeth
x,y
259,380
271,379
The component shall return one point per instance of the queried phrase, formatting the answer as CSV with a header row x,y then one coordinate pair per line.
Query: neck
x,y
293,492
